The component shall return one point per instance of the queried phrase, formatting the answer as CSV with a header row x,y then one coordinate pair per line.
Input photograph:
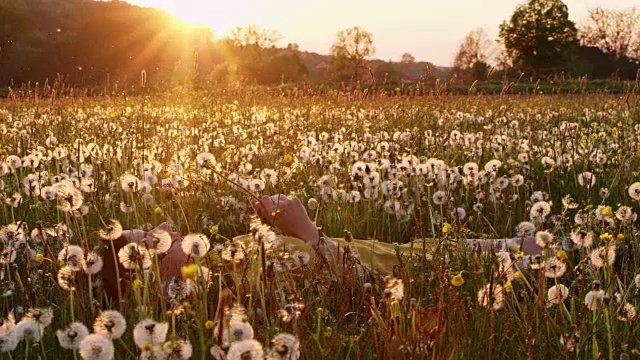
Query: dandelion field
x,y
565,169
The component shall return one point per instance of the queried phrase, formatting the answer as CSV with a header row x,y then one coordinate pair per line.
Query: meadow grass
x,y
392,168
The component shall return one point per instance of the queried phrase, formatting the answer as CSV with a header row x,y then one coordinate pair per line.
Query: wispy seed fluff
x,y
71,337
132,256
73,256
157,242
284,346
112,231
179,349
93,264
195,245
148,332
246,350
96,347
110,323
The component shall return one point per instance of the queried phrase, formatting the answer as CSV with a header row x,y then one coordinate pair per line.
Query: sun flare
x,y
220,16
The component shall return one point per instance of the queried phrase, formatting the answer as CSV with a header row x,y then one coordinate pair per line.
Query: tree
x,y
539,34
254,35
474,52
350,51
614,31
254,53
407,58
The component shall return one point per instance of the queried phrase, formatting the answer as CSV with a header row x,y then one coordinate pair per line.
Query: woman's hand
x,y
137,236
289,215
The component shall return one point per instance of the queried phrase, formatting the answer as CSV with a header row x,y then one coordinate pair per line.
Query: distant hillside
x,y
318,66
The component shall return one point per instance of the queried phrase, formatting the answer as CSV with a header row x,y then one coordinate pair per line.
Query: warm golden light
x,y
220,16
430,30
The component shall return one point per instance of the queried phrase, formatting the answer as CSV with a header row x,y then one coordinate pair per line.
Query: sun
x,y
221,18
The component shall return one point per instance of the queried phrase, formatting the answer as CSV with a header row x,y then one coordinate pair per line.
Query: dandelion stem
x,y
71,304
240,187
89,277
126,348
115,260
608,325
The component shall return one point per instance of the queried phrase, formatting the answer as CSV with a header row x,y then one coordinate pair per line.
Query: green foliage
x,y
253,52
539,35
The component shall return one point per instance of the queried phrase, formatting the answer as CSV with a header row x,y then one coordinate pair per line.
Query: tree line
x,y
96,43
539,38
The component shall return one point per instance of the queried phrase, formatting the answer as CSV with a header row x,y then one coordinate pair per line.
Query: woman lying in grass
x,y
302,239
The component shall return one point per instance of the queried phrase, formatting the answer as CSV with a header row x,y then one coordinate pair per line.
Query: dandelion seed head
x,y
96,347
557,294
66,278
246,350
237,331
525,229
150,332
195,245
284,346
634,191
604,255
93,264
593,298
29,329
180,349
158,241
111,231
72,336
110,323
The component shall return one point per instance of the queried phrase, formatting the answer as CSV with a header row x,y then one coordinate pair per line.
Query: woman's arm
x,y
527,244
289,215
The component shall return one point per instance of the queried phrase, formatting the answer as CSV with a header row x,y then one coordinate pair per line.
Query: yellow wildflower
x,y
457,280
328,331
517,275
209,324
508,287
39,257
446,228
606,236
561,255
607,211
137,284
189,271
157,210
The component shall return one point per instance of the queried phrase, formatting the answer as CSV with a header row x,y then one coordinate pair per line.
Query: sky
x,y
428,29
